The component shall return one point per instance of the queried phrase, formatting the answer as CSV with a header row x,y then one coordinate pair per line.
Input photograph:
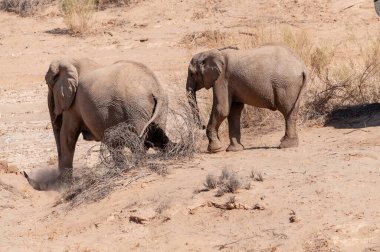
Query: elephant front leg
x,y
68,139
216,120
234,127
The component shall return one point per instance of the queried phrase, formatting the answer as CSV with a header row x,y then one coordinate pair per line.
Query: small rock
x,y
136,219
258,207
293,218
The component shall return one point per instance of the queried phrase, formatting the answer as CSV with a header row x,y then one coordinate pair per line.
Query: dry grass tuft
x,y
227,182
24,7
211,181
230,183
256,176
78,15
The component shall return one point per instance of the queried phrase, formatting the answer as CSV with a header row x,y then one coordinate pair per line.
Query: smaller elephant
x,y
86,97
269,76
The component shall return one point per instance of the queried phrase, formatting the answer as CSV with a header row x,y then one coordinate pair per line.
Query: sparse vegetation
x,y
24,7
78,15
211,181
227,182
75,11
256,176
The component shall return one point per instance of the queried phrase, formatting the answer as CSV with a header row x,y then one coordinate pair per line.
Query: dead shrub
x,y
123,156
24,7
227,182
122,148
211,182
342,86
101,4
256,176
159,169
78,15
184,132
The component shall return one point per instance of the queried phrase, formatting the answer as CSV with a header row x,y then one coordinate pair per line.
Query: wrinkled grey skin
x,y
270,76
85,97
377,7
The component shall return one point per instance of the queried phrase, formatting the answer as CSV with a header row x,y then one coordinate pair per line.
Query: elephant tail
x,y
304,80
157,110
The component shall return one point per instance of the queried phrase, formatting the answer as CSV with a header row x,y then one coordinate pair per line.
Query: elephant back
x,y
122,92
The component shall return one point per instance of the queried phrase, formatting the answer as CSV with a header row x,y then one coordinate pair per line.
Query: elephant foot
x,y
235,147
214,147
287,142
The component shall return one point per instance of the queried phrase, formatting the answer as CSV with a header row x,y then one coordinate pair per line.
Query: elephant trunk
x,y
192,99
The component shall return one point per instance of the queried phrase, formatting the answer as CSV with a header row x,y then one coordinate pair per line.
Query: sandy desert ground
x,y
321,196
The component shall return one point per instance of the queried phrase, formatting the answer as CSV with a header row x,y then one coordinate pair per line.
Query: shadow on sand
x,y
262,148
58,31
355,117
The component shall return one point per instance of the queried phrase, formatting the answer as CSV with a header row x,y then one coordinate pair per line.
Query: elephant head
x,y
205,69
62,80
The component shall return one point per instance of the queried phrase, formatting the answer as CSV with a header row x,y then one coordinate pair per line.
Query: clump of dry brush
x,y
124,158
24,7
227,182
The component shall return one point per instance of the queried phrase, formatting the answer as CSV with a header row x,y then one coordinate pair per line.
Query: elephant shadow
x,y
355,117
261,148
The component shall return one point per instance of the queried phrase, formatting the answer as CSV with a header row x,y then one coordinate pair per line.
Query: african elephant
x,y
86,97
269,76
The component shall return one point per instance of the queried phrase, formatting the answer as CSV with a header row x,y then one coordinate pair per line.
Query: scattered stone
x,y
136,219
293,218
258,207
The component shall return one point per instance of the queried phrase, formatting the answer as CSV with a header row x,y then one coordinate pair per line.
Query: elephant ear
x,y
62,79
211,68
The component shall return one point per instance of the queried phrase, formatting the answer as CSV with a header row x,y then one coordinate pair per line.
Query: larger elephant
x,y
86,97
269,76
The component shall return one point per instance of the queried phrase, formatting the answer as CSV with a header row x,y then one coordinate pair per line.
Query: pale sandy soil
x,y
330,183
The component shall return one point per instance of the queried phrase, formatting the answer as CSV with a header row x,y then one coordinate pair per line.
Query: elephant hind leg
x,y
234,127
289,107
290,138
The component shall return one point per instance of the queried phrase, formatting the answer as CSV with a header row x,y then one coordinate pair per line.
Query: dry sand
x,y
322,196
